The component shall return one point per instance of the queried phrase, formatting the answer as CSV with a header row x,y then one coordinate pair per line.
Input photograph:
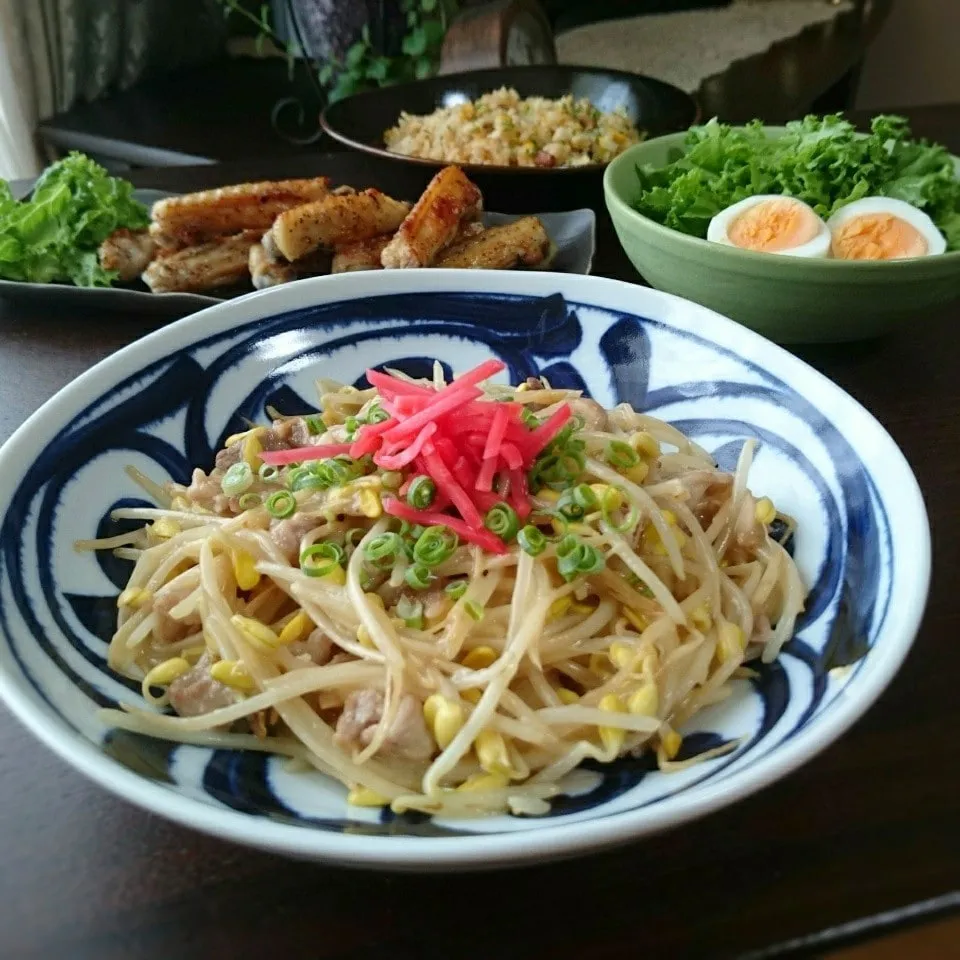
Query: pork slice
x,y
196,692
317,648
287,534
167,629
407,739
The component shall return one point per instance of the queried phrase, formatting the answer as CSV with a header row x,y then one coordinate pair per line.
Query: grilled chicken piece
x,y
128,252
336,220
523,243
450,199
219,263
196,217
360,255
268,269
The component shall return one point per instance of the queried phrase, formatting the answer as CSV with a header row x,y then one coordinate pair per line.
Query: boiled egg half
x,y
880,228
770,223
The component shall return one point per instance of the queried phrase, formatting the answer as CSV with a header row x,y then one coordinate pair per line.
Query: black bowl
x,y
654,106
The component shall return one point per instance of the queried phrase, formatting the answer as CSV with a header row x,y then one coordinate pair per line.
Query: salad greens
x,y
54,235
822,161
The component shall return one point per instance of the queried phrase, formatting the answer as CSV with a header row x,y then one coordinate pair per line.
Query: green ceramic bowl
x,y
787,299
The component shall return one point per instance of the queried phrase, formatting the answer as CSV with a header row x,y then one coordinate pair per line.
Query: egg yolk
x,y
877,236
774,225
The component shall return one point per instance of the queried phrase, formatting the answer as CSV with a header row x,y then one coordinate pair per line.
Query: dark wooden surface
x,y
869,826
222,111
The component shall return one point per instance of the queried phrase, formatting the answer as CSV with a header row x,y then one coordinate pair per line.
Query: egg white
x,y
817,248
936,242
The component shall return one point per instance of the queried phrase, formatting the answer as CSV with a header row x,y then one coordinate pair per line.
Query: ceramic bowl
x,y
654,106
167,401
789,299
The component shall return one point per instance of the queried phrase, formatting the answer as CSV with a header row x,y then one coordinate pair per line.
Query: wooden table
x,y
223,110
869,826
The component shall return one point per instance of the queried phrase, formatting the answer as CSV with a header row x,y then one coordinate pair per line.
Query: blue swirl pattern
x,y
176,413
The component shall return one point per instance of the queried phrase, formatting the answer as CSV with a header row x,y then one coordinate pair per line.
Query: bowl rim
x,y
733,255
479,851
495,168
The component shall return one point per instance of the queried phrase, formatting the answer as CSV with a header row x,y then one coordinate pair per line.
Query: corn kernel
x,y
375,599
364,638
731,641
245,570
484,781
337,576
471,694
257,633
547,494
645,444
645,701
163,674
766,512
559,607
492,753
370,503
700,617
566,696
637,620
670,742
583,609
612,737
298,628
444,717
622,655
479,657
134,597
365,797
252,448
232,674
165,528
235,438
637,473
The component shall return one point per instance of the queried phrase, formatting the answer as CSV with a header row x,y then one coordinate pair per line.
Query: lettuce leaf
x,y
820,160
53,235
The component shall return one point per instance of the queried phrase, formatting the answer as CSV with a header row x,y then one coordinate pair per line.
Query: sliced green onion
x,y
294,474
337,471
577,502
501,520
418,576
268,473
435,545
621,456
530,419
249,501
237,479
281,504
474,609
382,551
315,425
532,540
376,414
410,612
421,492
354,536
352,425
456,589
308,481
321,559
611,501
576,558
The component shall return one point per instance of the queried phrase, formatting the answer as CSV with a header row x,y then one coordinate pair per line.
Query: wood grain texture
x,y
868,826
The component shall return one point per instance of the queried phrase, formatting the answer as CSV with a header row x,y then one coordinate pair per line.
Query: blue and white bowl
x,y
167,402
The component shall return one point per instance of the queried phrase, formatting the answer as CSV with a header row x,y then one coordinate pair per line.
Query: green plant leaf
x,y
356,54
379,68
325,75
365,33
433,31
347,84
428,6
413,18
423,68
415,42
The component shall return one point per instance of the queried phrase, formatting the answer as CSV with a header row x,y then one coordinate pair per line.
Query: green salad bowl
x,y
788,299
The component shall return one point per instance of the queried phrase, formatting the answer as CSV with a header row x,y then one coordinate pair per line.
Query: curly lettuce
x,y
53,236
820,160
